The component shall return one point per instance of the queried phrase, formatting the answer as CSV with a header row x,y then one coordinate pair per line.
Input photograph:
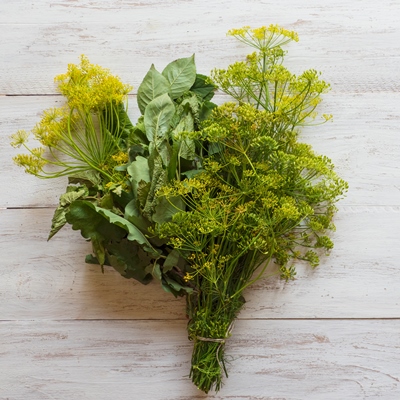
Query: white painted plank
x,y
40,280
356,45
95,360
363,142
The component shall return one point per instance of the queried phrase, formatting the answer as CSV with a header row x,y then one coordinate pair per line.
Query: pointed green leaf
x,y
128,259
181,75
172,166
203,88
139,171
73,193
215,148
157,117
132,214
101,225
143,190
154,84
58,221
107,201
165,151
171,261
187,149
155,271
206,110
82,215
192,173
134,234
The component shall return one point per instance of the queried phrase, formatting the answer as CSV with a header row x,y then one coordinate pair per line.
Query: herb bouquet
x,y
200,197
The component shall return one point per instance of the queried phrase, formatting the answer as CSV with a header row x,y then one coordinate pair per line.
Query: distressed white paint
x,y
119,360
68,331
356,44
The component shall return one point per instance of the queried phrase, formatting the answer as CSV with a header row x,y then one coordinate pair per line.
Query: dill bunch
x,y
261,196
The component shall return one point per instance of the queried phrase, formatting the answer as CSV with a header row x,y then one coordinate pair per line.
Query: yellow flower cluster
x,y
91,86
32,163
53,126
288,209
263,32
120,158
19,138
264,38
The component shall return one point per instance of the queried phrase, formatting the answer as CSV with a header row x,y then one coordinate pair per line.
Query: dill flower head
x,y
33,163
265,37
90,86
53,125
19,138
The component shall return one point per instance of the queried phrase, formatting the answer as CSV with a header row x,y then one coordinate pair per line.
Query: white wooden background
x,y
69,332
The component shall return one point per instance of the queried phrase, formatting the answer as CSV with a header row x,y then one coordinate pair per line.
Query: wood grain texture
x,y
68,331
356,45
102,360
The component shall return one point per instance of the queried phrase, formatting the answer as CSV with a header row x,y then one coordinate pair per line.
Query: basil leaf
x,y
181,75
139,171
202,88
157,117
154,84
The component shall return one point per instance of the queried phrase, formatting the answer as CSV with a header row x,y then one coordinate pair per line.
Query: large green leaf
x,y
206,110
186,124
186,147
143,191
134,233
157,117
181,75
132,214
203,88
83,216
171,261
172,286
158,179
154,84
102,226
139,171
73,193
